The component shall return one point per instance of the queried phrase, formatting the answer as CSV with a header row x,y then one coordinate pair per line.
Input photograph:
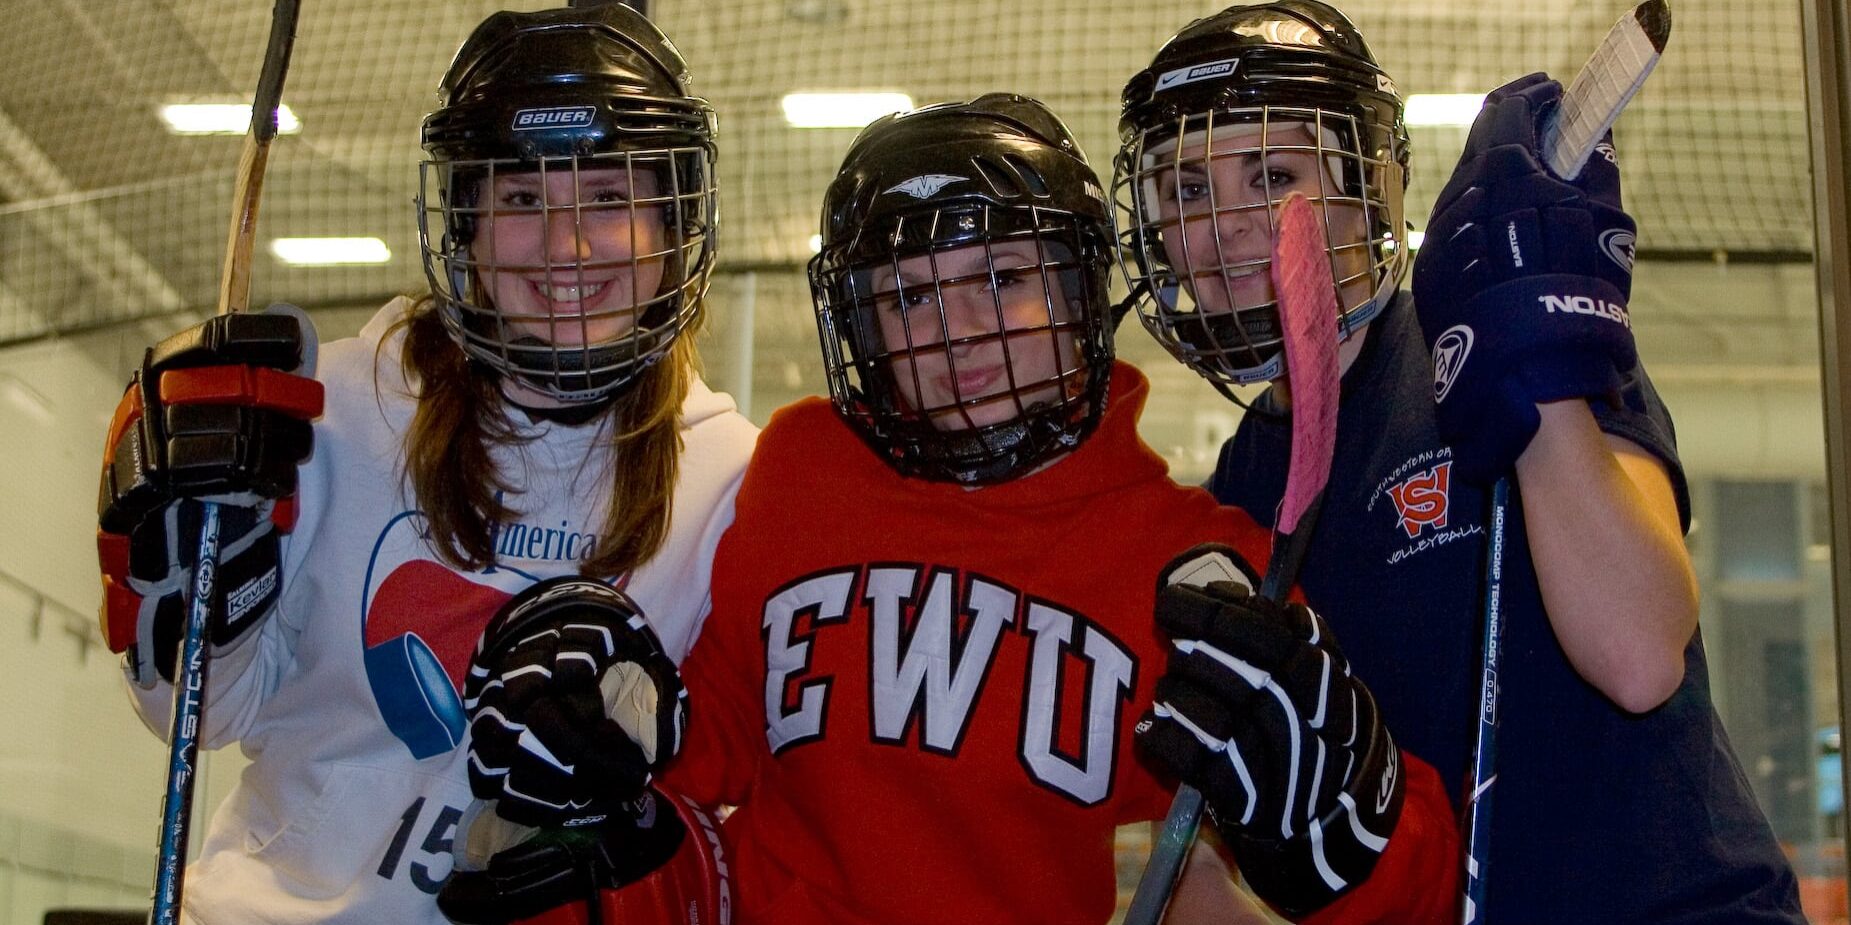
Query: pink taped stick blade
x,y
1308,309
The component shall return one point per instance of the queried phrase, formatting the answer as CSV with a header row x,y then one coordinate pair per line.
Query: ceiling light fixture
x,y
221,119
1444,108
329,252
841,110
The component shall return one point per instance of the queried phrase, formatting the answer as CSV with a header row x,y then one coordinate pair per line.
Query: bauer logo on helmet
x,y
1193,73
528,120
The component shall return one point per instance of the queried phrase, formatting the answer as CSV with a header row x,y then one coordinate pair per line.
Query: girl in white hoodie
x,y
537,414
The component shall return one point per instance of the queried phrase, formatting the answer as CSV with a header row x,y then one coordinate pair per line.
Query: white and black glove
x,y
573,707
1259,711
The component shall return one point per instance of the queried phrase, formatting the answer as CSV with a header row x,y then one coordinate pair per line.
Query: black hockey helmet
x,y
569,91
1249,81
966,204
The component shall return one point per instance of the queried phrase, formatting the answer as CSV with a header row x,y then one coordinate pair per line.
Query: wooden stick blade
x,y
1600,92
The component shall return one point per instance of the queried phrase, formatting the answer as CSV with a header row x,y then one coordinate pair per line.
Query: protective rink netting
x,y
106,216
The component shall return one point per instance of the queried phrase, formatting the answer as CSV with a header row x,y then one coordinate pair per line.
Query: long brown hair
x,y
461,417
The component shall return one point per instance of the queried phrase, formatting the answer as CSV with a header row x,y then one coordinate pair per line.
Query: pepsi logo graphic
x,y
419,623
528,120
923,187
1617,244
1450,352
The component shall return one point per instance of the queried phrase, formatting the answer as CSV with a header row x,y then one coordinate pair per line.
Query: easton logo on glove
x,y
1449,356
1585,305
1617,244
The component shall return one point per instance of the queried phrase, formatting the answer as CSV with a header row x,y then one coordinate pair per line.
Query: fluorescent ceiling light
x,y
325,252
1444,108
841,110
222,119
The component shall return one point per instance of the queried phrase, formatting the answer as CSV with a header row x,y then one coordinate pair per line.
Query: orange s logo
x,y
1421,499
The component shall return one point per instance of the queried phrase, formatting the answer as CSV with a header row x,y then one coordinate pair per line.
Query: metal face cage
x,y
572,273
967,343
1197,209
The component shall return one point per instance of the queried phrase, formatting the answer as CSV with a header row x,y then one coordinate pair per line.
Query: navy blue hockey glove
x,y
1258,710
573,707
1522,282
217,412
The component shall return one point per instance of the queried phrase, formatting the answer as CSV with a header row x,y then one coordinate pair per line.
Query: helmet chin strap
x,y
988,465
601,381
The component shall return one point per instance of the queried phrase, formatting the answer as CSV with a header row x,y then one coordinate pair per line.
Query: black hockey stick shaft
x,y
190,672
1589,107
1484,751
1305,290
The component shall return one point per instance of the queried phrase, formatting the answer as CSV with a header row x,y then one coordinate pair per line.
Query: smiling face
x,y
571,258
1215,201
977,335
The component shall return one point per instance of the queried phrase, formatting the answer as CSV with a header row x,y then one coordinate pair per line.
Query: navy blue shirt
x,y
1601,816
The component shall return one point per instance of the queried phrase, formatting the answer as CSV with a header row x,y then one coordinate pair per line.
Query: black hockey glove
x,y
661,865
1259,711
1522,283
572,705
214,414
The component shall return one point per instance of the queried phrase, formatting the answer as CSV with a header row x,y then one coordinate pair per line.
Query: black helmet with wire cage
x,y
961,289
1234,112
574,127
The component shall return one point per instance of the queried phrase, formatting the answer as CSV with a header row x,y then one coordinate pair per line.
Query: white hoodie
x,y
343,816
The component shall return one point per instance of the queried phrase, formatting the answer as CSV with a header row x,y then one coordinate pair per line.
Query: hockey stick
x,y
234,296
1590,106
1307,296
1484,750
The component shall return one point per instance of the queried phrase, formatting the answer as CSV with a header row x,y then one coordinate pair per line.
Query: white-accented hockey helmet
x,y
961,289
578,122
1235,111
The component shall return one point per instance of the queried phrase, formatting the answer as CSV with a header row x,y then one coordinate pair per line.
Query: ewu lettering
x,y
927,642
